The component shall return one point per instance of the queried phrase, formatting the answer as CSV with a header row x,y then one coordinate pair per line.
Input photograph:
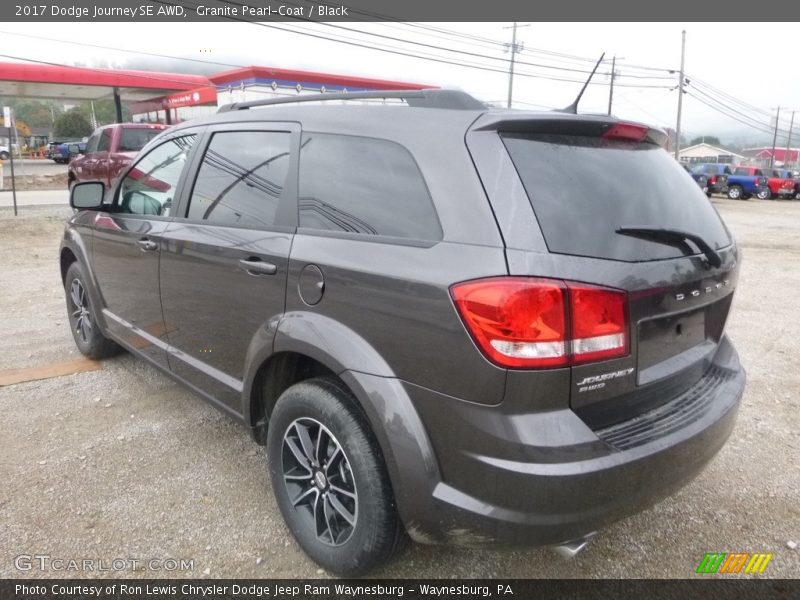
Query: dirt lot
x,y
124,463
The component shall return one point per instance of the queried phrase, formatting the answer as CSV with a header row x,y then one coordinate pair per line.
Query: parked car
x,y
109,150
746,182
782,183
64,151
700,179
432,334
796,178
4,153
717,176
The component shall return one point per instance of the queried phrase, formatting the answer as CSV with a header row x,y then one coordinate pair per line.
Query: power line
x,y
754,122
432,46
125,50
733,99
395,51
735,117
532,51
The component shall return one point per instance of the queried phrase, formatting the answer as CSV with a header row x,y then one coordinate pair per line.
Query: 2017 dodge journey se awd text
x,y
445,322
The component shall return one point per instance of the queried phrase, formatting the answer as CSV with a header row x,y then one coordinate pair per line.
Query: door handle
x,y
147,245
256,266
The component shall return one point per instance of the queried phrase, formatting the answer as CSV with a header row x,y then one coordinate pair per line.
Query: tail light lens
x,y
535,323
626,131
599,323
712,180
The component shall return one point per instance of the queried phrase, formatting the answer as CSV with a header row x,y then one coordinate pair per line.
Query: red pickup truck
x,y
783,187
109,150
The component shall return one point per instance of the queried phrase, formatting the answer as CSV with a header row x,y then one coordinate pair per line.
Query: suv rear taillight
x,y
626,131
599,323
712,180
537,323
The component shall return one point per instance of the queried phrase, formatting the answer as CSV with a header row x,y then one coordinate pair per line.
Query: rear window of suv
x,y
134,139
582,189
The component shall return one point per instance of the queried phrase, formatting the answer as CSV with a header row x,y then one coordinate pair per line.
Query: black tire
x,y
765,194
353,480
735,192
796,195
4,155
80,313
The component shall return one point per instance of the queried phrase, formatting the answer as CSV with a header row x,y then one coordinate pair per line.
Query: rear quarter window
x,y
365,186
582,189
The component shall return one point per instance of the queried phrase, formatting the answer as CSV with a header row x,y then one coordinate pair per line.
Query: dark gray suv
x,y
445,322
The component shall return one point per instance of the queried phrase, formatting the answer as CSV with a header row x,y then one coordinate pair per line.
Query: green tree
x,y
72,124
707,139
105,112
35,113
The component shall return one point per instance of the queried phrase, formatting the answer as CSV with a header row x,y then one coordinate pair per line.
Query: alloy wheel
x,y
81,314
319,481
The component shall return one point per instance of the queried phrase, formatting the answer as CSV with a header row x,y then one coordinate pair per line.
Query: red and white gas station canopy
x,y
81,83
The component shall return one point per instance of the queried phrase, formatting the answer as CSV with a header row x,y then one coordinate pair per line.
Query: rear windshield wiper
x,y
673,237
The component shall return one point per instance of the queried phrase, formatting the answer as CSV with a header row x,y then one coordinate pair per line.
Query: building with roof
x,y
783,156
708,153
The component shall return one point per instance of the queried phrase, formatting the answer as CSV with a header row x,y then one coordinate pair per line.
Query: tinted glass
x,y
91,144
241,179
583,189
133,140
149,187
105,141
363,185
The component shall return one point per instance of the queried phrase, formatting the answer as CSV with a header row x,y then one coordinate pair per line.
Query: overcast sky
x,y
728,57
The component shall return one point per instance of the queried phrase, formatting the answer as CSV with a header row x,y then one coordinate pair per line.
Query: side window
x,y
241,178
149,187
105,141
363,185
92,143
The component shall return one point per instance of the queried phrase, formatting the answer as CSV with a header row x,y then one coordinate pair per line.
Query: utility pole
x,y
775,139
789,143
611,88
513,48
680,96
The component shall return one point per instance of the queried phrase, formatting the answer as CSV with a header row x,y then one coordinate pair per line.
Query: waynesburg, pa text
x,y
336,590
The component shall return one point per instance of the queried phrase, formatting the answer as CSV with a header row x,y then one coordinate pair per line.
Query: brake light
x,y
626,131
599,323
535,323
712,180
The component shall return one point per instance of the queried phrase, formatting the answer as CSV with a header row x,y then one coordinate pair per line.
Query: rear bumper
x,y
545,478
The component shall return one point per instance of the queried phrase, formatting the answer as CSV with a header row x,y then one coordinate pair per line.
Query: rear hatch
x,y
612,208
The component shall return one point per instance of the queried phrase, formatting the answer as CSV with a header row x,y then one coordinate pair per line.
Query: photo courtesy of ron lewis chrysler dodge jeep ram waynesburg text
x,y
434,337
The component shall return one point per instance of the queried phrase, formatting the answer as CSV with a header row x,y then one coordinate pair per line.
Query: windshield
x,y
583,189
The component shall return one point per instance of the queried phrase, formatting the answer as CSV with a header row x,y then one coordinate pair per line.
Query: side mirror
x,y
87,195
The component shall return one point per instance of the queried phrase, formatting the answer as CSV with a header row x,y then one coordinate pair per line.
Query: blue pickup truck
x,y
742,185
60,151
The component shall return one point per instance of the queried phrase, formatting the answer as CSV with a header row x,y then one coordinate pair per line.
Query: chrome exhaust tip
x,y
572,548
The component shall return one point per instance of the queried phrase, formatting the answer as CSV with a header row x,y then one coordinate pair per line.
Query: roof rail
x,y
452,99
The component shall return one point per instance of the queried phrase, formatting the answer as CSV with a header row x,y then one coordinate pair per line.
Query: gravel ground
x,y
124,463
